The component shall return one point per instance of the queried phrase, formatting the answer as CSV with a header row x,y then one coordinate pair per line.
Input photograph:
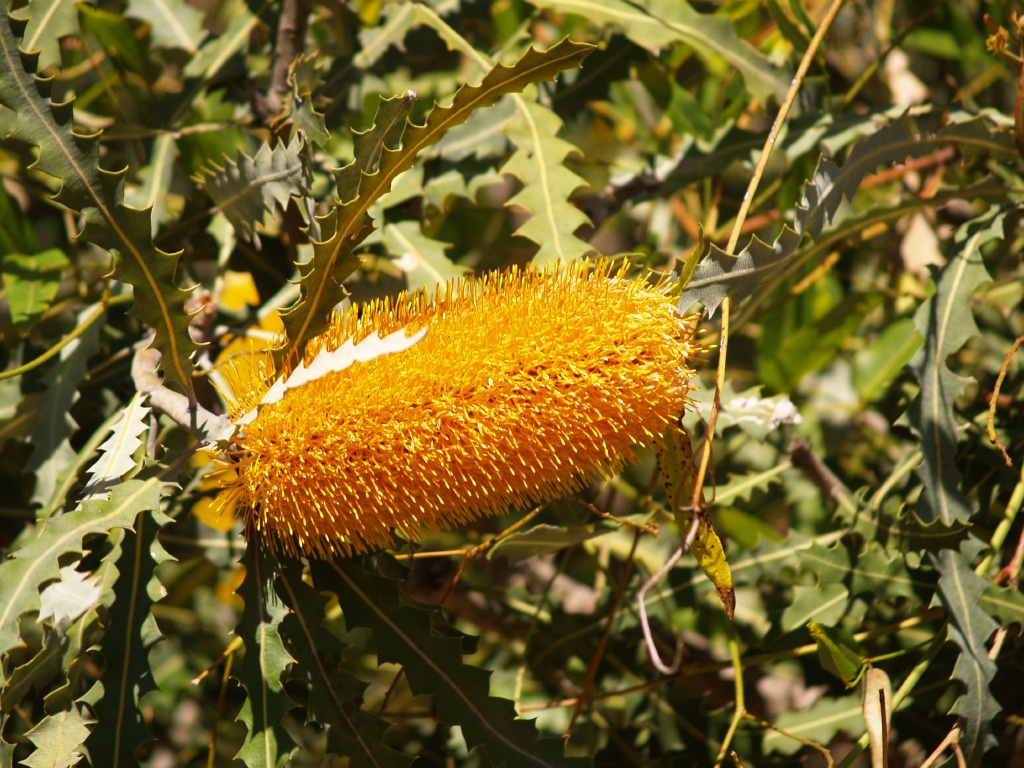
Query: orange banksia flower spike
x,y
497,392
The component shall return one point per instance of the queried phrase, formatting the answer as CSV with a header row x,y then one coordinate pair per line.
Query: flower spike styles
x,y
521,387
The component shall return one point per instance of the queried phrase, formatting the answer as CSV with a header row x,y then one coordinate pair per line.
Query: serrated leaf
x,y
722,274
247,188
117,453
547,183
57,739
48,22
172,23
658,24
387,129
336,697
679,474
375,40
64,601
418,256
960,591
822,604
31,282
127,641
947,323
99,196
37,561
432,663
1005,604
267,743
819,722
218,51
349,223
50,439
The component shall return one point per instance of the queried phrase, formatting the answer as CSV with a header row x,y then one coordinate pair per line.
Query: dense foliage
x,y
182,180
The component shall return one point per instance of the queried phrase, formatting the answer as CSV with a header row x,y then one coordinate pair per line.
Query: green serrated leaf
x,y
336,697
960,591
819,722
375,40
387,129
127,641
723,274
823,604
433,663
267,743
50,439
547,183
57,739
117,453
38,561
48,22
349,223
246,189
657,24
99,196
947,323
418,256
1005,604
31,282
217,52
172,23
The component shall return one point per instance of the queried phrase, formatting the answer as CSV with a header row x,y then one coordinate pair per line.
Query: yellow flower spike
x,y
525,386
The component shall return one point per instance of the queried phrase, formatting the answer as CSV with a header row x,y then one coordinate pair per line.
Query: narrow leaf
x,y
172,23
99,196
722,274
432,662
267,743
349,223
387,129
31,282
37,562
657,24
838,653
547,183
48,22
50,439
418,256
947,323
57,739
336,697
960,592
117,454
247,188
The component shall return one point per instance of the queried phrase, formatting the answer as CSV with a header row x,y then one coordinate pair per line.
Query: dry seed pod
x,y
525,386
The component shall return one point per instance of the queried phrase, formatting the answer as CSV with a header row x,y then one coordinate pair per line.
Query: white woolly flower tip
x,y
334,361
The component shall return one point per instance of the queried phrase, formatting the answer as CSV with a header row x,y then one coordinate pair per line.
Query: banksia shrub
x,y
524,387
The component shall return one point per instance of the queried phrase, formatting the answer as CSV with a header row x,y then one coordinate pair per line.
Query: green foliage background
x,y
158,151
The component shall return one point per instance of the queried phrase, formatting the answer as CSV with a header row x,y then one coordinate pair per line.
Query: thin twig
x,y
737,228
994,402
641,603
288,46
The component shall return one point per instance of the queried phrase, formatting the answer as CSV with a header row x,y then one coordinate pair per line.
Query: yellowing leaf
x,y
675,460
